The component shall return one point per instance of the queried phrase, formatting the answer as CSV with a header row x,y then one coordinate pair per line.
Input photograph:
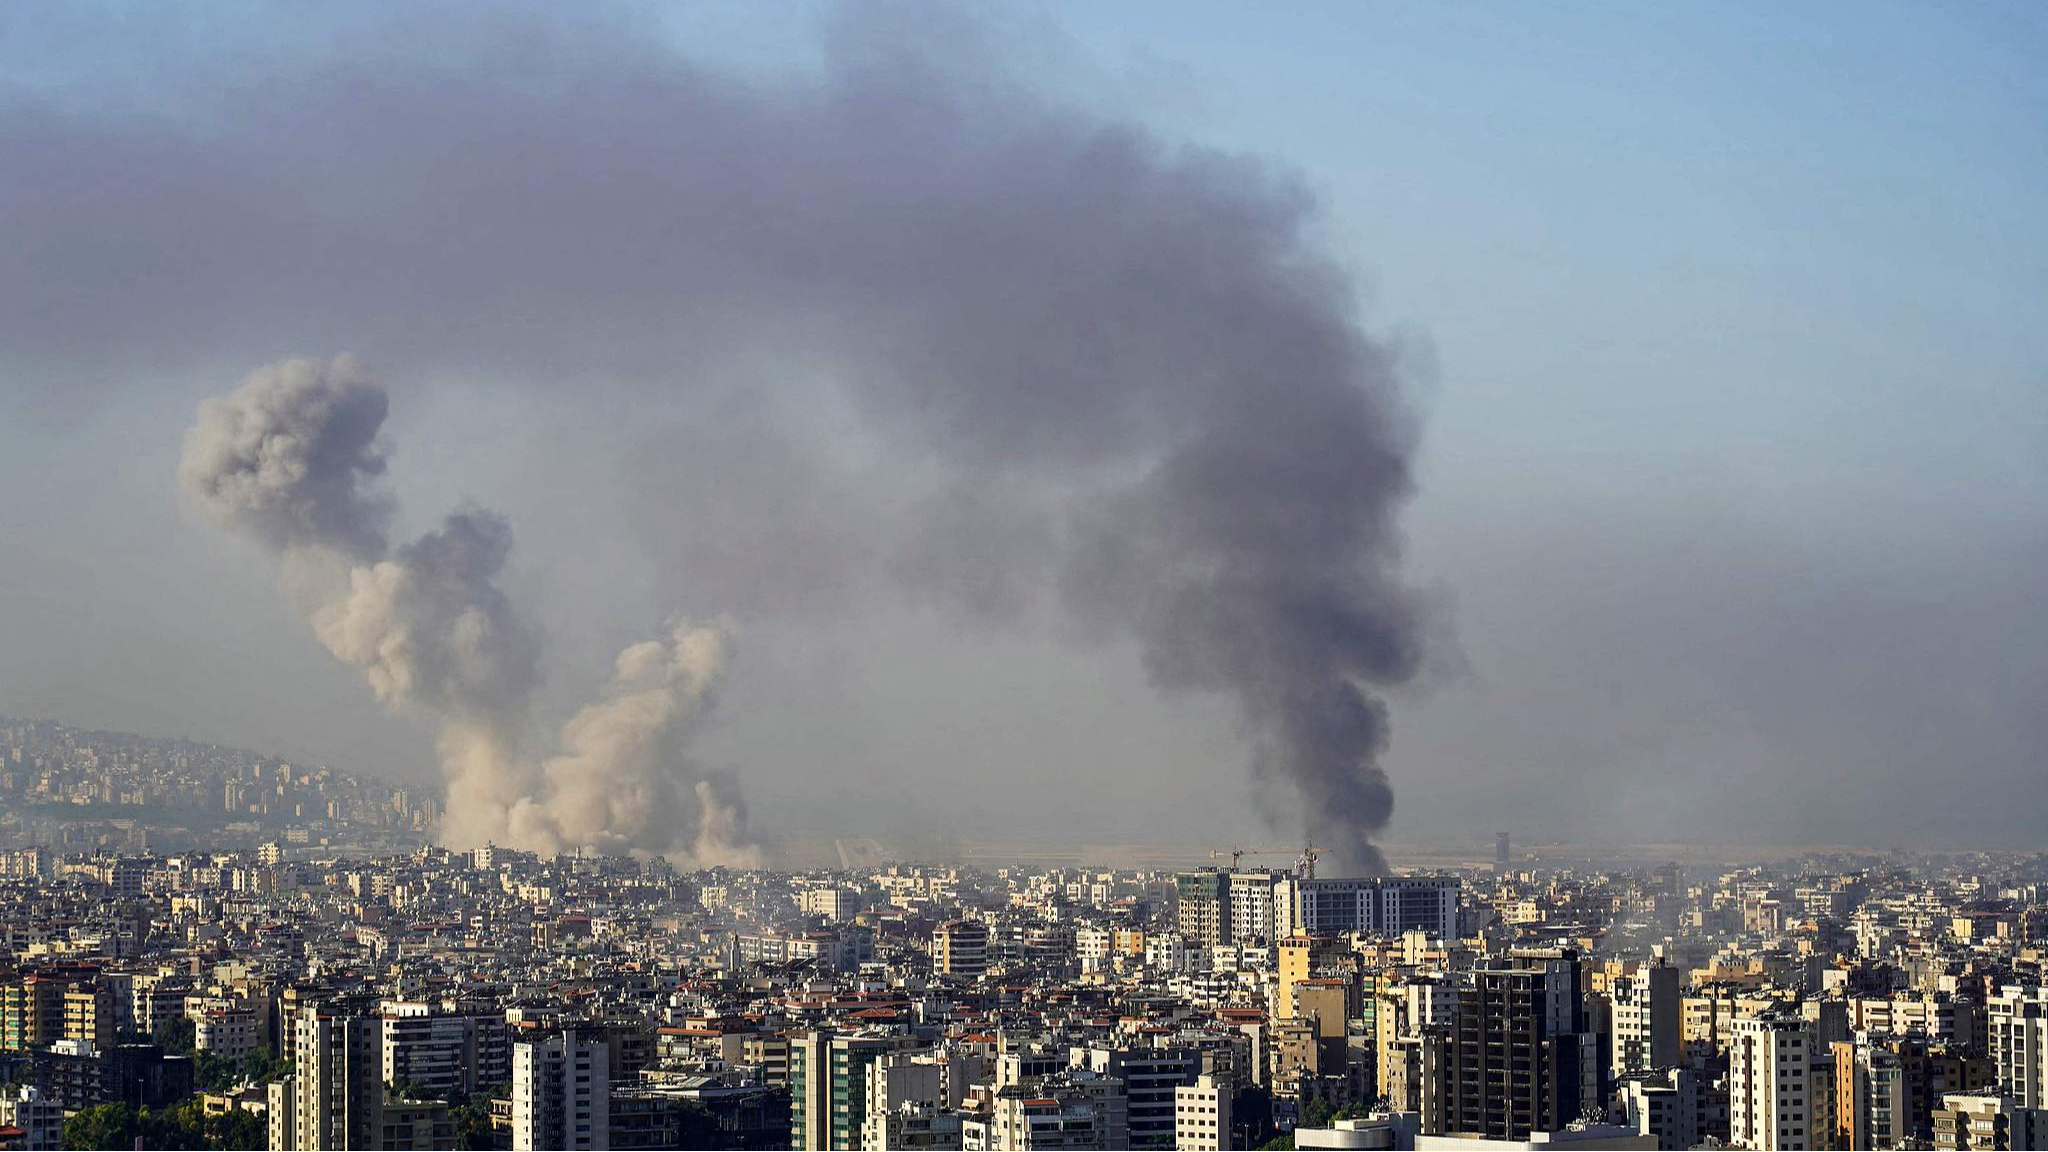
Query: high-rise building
x,y
1201,1116
415,1126
1645,1020
339,1077
960,948
1387,905
281,1116
1331,906
1411,1075
828,1087
2017,1019
226,1027
36,1010
1418,903
1203,912
1252,906
1520,1057
154,1003
1872,1096
833,904
439,1052
705,1113
1670,880
1150,1078
1770,1084
1093,947
1501,855
89,1016
1301,957
561,1092
769,1052
898,1078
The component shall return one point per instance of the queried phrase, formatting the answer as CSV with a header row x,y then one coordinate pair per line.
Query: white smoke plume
x,y
609,786
430,631
284,459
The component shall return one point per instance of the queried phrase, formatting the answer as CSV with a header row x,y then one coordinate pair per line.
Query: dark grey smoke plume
x,y
1256,559
286,459
1069,356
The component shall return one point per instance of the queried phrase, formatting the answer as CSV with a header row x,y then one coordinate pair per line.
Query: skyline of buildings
x,y
305,994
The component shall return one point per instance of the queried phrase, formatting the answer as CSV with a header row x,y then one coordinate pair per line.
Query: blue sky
x,y
1725,325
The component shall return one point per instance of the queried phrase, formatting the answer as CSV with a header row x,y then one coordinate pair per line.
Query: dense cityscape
x,y
317,988
67,788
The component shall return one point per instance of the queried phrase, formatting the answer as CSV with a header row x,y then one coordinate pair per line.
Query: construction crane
x,y
1236,854
1304,864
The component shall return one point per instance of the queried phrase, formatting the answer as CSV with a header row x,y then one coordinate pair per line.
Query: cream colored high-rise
x,y
2017,1019
1771,1094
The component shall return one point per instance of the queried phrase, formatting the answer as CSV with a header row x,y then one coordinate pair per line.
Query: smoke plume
x,y
905,329
284,459
609,786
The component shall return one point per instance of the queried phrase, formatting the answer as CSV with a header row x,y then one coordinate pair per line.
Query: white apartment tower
x,y
1646,1021
1253,912
2017,1019
560,1093
1770,1084
1201,1116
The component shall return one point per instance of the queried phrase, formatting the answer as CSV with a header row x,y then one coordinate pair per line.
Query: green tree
x,y
178,1036
473,1117
102,1126
1284,1141
179,1126
184,1125
261,1067
216,1073
237,1130
473,1123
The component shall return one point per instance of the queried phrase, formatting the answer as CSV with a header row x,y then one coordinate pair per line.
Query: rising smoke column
x,y
286,459
1257,560
608,787
431,632
1132,380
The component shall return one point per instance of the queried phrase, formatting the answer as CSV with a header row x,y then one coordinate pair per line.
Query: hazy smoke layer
x,y
282,459
1087,362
